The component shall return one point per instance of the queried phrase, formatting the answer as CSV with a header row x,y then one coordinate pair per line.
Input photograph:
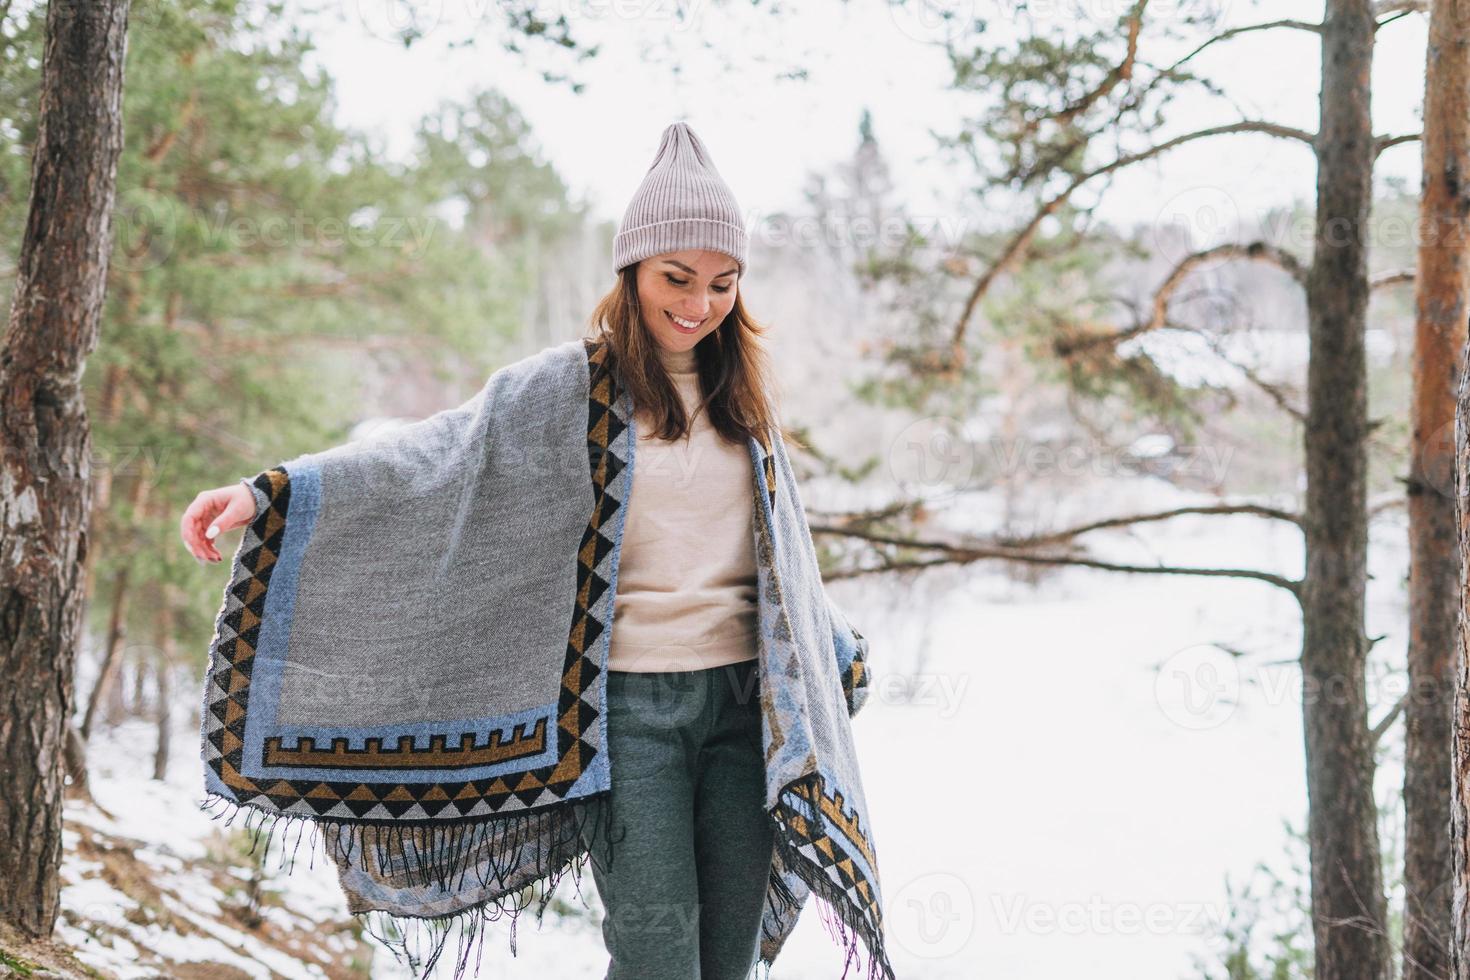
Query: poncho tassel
x,y
449,857
836,910
405,936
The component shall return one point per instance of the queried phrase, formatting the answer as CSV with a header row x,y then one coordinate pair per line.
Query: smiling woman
x,y
680,253
705,824
645,320
465,727
692,297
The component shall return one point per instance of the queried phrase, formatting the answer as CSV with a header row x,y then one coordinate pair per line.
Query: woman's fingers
x,y
186,530
213,513
239,509
200,513
189,527
210,533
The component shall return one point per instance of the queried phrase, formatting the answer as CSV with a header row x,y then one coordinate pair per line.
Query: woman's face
x,y
685,295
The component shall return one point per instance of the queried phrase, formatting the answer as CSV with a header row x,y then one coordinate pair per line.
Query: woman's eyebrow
x,y
727,272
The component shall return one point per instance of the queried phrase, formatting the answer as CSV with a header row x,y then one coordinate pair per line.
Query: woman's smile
x,y
682,325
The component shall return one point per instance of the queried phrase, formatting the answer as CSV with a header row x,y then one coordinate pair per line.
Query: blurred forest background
x,y
1055,459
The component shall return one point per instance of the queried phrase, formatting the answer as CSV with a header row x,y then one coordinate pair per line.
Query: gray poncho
x,y
411,653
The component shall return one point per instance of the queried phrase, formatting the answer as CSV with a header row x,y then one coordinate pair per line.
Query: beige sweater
x,y
686,588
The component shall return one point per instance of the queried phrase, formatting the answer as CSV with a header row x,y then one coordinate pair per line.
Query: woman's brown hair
x,y
735,380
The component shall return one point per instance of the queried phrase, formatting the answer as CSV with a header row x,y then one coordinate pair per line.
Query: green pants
x,y
684,886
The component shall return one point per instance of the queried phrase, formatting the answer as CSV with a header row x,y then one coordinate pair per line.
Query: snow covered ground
x,y
1058,789
1082,766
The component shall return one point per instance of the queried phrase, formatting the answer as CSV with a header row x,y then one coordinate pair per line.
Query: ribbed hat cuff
x,y
637,244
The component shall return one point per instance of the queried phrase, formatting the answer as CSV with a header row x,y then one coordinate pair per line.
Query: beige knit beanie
x,y
683,202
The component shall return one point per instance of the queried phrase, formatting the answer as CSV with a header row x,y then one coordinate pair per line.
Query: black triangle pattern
x,y
237,628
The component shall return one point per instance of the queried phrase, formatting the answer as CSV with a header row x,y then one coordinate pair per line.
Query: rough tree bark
x,y
1460,772
1441,283
45,443
1349,910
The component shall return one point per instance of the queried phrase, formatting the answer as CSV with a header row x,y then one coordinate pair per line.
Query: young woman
x,y
698,855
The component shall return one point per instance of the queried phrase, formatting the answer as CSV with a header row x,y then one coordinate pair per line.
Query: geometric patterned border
x,y
821,846
357,797
855,676
820,840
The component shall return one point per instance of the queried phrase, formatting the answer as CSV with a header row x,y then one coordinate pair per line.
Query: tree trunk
x,y
106,687
114,703
1440,284
137,701
45,443
163,674
163,667
1349,911
111,656
1460,773
75,755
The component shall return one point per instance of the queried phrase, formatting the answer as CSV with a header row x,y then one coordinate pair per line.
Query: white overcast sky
x,y
765,133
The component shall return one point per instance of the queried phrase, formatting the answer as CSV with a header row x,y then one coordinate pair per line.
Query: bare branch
x,y
864,517
1383,7
1055,537
1387,721
1382,143
1300,25
1392,500
1018,244
848,524
1259,251
960,554
1392,279
1272,391
1255,251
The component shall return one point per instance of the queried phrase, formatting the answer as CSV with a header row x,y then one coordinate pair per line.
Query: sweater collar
x,y
677,362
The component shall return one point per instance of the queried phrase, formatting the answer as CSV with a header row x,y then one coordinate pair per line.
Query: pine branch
x,y
1019,243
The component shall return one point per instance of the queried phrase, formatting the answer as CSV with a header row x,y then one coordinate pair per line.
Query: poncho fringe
x,y
405,936
421,857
